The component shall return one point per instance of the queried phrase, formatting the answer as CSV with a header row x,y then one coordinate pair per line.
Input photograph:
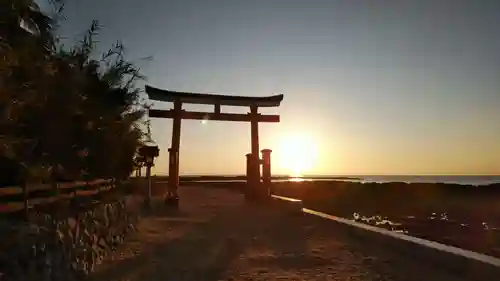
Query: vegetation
x,y
64,114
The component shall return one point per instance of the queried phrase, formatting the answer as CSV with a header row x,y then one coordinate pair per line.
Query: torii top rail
x,y
177,114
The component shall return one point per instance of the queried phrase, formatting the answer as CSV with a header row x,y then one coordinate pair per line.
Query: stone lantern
x,y
148,153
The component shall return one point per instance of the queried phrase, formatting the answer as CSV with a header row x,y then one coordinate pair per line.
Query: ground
x,y
217,236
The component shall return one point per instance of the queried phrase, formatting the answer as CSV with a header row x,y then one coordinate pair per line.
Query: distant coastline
x,y
463,180
243,178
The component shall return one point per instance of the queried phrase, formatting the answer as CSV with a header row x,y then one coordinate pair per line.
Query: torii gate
x,y
254,188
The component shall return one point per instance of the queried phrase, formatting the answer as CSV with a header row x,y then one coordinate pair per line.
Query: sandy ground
x,y
217,236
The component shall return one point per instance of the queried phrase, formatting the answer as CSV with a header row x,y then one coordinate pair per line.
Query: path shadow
x,y
211,250
202,253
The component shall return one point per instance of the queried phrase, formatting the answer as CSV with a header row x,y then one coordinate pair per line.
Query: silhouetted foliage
x,y
64,113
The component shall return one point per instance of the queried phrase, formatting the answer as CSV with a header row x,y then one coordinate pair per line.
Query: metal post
x,y
148,175
171,171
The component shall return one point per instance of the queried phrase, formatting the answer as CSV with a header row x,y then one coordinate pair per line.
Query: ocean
x,y
466,180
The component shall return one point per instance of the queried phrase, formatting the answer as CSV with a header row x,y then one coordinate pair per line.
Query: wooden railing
x,y
15,199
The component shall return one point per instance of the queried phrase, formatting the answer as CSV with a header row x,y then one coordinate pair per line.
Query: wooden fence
x,y
15,199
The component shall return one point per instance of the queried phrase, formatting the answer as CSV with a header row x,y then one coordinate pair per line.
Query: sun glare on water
x,y
297,155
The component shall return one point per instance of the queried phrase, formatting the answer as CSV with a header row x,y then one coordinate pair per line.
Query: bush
x,y
63,113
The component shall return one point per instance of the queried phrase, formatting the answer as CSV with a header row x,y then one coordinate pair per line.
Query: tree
x,y
62,109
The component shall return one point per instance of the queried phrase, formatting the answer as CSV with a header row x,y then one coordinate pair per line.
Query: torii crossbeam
x,y
177,114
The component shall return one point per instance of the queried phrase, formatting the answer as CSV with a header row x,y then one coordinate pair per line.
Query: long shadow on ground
x,y
199,254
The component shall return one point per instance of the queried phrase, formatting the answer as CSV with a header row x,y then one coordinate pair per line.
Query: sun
x,y
297,154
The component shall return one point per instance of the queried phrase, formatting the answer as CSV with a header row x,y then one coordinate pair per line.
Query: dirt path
x,y
216,236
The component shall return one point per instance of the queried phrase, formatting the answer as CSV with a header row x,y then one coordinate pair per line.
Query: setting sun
x,y
297,154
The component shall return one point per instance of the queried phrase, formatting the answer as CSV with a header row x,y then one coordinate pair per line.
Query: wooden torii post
x,y
177,114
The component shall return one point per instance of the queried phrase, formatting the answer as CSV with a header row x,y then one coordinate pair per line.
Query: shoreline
x,y
493,180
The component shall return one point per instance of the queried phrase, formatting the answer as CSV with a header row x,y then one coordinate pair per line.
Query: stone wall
x,y
65,243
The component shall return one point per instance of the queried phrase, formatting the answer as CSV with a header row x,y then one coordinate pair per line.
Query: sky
x,y
370,87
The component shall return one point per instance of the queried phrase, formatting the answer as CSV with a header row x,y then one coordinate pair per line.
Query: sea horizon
x,y
451,179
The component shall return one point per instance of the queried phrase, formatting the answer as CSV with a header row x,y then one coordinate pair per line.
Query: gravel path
x,y
216,236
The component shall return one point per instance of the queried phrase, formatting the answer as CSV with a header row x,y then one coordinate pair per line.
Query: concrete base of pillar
x,y
257,193
172,202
